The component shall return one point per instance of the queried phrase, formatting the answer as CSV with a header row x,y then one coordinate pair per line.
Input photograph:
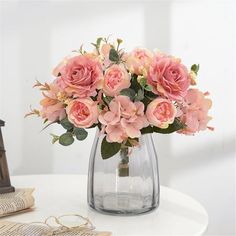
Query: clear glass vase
x,y
127,183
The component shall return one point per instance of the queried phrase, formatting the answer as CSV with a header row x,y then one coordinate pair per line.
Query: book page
x,y
17,201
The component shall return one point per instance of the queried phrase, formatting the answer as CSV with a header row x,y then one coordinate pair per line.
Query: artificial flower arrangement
x,y
124,94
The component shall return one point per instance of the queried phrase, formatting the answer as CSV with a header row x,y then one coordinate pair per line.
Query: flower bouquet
x,y
124,94
127,96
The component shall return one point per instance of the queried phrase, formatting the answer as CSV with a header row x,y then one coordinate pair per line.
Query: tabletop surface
x,y
178,214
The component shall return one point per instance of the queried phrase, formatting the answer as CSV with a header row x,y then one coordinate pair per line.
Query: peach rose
x,y
139,60
168,77
81,76
116,78
57,70
195,112
52,108
161,112
82,112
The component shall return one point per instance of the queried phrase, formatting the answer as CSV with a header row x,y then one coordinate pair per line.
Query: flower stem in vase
x,y
123,167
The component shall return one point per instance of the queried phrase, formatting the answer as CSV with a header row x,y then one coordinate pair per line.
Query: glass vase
x,y
128,182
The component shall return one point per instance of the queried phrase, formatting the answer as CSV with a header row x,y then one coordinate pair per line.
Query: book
x,y
16,202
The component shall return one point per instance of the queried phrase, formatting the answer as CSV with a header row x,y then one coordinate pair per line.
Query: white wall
x,y
35,35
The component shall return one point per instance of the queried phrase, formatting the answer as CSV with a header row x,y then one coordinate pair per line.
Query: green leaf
x,y
128,92
92,126
175,126
146,101
99,40
143,82
147,130
139,96
94,44
66,139
109,149
80,133
113,55
195,68
55,138
107,99
148,88
135,85
66,124
150,95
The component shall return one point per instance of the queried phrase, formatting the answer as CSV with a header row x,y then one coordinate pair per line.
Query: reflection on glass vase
x,y
127,183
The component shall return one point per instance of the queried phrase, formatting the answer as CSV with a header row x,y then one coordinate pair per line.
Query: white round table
x,y
178,214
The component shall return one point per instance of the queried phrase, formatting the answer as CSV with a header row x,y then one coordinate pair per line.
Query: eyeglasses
x,y
73,224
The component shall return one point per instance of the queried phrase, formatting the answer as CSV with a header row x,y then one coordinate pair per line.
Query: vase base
x,y
124,213
123,204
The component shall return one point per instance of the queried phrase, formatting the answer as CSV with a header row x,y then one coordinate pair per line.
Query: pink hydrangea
x,y
168,77
123,119
194,111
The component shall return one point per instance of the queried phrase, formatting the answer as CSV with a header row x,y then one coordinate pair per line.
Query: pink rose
x,y
138,61
161,112
194,111
81,76
123,119
168,77
52,108
116,78
59,67
82,112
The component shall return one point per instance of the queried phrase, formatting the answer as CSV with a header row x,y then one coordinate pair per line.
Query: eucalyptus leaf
x,y
55,138
148,88
66,139
109,149
139,96
66,124
128,92
143,82
80,133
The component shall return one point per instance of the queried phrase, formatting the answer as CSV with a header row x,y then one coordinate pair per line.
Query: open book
x,y
16,202
18,229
